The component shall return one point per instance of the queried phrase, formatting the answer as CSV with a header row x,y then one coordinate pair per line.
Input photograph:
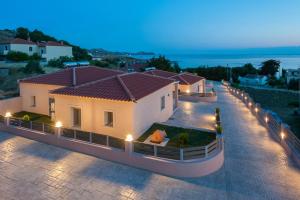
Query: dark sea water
x,y
289,57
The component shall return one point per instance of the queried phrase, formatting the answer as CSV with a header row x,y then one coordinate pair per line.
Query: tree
x,y
35,56
22,33
33,66
161,63
37,36
176,67
80,54
16,56
270,67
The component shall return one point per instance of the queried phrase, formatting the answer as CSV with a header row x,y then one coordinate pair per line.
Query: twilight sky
x,y
160,25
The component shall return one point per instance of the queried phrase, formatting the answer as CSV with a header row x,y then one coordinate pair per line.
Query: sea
x,y
288,56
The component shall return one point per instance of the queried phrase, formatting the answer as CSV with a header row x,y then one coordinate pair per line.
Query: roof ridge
x,y
93,82
107,69
181,78
169,78
125,88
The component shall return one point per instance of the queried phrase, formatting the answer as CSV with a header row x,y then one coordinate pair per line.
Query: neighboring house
x,y
47,50
101,100
253,79
188,83
292,74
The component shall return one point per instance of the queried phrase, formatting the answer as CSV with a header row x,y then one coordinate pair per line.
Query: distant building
x,y
47,50
292,74
253,79
76,63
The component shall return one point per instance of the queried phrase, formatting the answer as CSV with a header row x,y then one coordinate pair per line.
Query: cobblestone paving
x,y
255,167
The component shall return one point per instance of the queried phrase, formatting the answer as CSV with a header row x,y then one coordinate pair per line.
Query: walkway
x,y
255,167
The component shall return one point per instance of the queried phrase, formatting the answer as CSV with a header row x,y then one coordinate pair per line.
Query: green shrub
x,y
218,118
293,104
219,129
26,118
59,62
17,56
35,56
33,66
217,110
183,139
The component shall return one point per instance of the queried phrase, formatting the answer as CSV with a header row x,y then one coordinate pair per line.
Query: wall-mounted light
x,y
129,138
8,114
256,109
187,91
250,104
58,124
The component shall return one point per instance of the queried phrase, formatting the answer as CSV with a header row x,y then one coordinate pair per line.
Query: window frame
x,y
33,101
106,124
30,49
73,117
162,103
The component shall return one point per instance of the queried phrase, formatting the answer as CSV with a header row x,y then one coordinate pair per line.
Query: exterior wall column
x,y
204,86
176,95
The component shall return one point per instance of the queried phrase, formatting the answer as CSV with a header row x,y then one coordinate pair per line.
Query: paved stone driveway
x,y
255,168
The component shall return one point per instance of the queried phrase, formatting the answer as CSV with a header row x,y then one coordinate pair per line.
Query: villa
x,y
188,83
47,50
101,100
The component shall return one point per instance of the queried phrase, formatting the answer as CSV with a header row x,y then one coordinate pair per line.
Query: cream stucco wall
x,y
57,51
92,114
194,87
11,105
148,109
41,93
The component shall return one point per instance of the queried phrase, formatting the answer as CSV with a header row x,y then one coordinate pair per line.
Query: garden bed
x,y
35,117
195,137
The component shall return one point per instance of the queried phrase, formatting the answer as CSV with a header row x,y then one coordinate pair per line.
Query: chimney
x,y
74,76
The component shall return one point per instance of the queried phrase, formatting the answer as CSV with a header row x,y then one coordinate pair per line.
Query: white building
x,y
252,79
47,50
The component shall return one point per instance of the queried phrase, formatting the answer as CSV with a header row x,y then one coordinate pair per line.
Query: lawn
x,y
281,102
195,137
35,117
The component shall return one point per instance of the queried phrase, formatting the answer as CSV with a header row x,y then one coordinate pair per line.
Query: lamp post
x,y
128,144
7,117
58,126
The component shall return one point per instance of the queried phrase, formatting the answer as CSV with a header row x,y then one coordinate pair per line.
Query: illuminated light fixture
x,y
266,119
246,98
256,109
242,94
187,91
237,92
129,138
58,124
8,114
282,135
250,104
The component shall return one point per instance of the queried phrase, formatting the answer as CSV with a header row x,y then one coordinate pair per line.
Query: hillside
x,y
7,34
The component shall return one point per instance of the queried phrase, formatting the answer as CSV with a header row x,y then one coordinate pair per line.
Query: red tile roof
x,y
19,41
124,87
183,78
51,43
65,77
161,73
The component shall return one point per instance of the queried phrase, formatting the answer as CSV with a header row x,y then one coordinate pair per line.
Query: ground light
x,y
58,124
266,119
8,114
256,109
282,135
250,104
188,91
129,138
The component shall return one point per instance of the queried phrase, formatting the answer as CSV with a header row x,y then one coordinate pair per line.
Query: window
x,y
108,119
30,48
6,48
76,117
33,101
198,88
42,51
51,106
162,103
